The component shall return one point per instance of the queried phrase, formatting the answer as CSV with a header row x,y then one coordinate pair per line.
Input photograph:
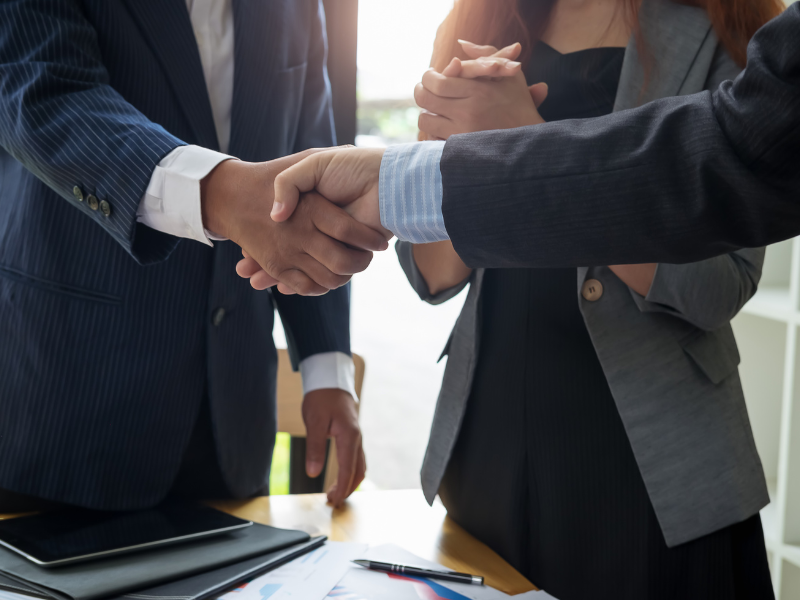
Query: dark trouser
x,y
199,476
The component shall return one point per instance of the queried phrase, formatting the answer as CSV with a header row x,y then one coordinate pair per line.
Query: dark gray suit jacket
x,y
670,358
677,180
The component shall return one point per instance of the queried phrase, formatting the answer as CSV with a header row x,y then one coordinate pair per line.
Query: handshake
x,y
306,223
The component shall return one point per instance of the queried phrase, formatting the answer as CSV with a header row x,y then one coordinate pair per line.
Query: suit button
x,y
78,193
105,208
592,290
91,200
217,317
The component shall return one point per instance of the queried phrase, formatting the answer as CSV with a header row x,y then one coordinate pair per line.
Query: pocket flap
x,y
715,352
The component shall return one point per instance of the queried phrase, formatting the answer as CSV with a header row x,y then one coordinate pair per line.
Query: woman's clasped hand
x,y
487,91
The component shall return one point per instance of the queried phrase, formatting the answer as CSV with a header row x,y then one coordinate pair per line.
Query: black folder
x,y
194,571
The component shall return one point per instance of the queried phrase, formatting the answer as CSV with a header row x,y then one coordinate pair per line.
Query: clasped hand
x,y
487,92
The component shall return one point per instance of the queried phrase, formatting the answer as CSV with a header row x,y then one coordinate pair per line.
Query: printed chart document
x,y
309,577
363,584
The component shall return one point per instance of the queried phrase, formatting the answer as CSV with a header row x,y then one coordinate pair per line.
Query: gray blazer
x,y
670,358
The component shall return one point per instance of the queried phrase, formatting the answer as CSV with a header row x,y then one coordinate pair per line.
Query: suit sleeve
x,y
405,254
63,121
316,324
711,292
674,181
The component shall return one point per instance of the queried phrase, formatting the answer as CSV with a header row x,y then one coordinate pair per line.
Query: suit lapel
x,y
167,27
258,28
673,34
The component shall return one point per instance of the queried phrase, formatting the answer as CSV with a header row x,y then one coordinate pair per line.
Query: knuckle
x,y
340,265
305,287
361,261
352,431
419,90
338,281
342,229
330,280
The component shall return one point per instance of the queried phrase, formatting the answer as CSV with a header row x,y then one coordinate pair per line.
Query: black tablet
x,y
76,535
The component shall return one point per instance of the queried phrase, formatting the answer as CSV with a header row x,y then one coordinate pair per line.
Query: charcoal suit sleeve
x,y
675,181
63,121
711,292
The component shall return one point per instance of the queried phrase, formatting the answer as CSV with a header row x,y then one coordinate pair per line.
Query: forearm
x,y
637,277
440,266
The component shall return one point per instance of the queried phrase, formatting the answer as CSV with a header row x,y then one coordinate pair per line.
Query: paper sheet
x,y
308,577
362,584
11,596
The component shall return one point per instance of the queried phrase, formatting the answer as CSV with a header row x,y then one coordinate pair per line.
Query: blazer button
x,y
592,290
91,200
105,208
78,193
218,317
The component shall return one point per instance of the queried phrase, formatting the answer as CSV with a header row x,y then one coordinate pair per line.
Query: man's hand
x,y
348,177
318,250
332,413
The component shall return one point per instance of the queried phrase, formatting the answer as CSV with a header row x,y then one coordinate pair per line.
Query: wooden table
x,y
382,517
386,517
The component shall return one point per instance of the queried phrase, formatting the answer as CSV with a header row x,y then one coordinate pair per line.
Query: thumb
x,y
302,177
538,93
453,69
285,202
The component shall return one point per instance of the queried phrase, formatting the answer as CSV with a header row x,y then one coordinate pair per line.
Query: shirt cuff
x,y
171,203
411,192
329,370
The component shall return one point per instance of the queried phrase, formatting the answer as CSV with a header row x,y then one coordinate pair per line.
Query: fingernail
x,y
465,42
276,208
512,64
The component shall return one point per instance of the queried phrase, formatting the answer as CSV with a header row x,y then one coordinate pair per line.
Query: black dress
x,y
542,471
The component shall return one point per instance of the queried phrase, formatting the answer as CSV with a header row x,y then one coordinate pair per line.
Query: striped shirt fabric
x,y
411,192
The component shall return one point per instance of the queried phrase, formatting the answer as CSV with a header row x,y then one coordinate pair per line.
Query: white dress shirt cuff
x,y
171,203
328,370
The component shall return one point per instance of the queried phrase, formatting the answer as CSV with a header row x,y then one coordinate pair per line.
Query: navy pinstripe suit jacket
x,y
107,345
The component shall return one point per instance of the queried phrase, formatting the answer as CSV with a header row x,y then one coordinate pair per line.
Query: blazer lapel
x,y
673,34
167,27
257,26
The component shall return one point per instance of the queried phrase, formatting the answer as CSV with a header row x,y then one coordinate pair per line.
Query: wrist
x,y
217,189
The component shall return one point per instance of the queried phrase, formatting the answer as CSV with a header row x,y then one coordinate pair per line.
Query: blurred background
x,y
400,336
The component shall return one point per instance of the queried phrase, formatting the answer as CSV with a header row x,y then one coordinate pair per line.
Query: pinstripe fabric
x,y
562,198
107,343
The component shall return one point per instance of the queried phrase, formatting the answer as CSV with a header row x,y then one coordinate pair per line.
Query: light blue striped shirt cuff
x,y
411,192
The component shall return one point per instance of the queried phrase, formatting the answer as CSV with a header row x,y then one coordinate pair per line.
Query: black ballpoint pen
x,y
403,570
